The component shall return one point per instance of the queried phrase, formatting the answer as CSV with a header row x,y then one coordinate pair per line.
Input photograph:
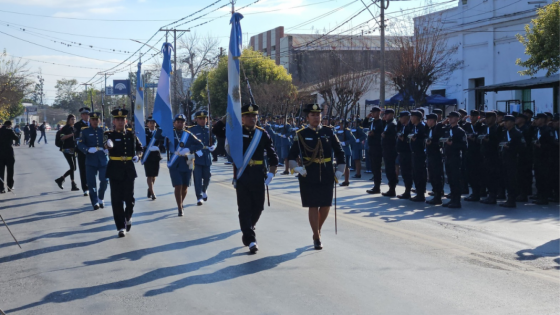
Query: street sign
x,y
150,85
109,90
121,87
31,110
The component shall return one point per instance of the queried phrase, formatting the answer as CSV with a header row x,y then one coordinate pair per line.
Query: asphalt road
x,y
390,256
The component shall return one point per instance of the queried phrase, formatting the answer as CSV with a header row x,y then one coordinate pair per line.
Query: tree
x,y
542,41
419,61
68,96
261,72
15,84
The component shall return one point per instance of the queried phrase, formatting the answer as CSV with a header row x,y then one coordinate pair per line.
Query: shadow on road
x,y
548,249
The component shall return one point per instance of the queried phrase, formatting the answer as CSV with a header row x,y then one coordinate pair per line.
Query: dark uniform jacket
x,y
253,176
68,145
154,156
459,142
472,131
433,149
527,133
515,143
202,133
193,144
419,144
402,142
78,127
7,138
490,148
389,137
33,130
93,138
317,172
125,145
377,126
544,136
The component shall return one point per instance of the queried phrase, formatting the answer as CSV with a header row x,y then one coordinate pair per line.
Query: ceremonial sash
x,y
152,141
184,138
249,153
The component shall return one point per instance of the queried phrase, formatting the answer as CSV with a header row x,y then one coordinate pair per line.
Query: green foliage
x,y
260,70
542,42
11,111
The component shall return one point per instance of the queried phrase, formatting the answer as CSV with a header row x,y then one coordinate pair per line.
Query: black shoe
x,y
413,190
465,191
454,205
418,198
86,193
149,195
181,213
472,198
128,226
406,195
75,187
522,198
122,233
501,197
199,203
96,206
59,182
345,184
431,193
204,196
253,248
317,244
390,193
446,204
357,176
483,195
435,201
374,191
541,202
534,197
372,179
285,173
508,204
3,191
489,201
102,205
154,197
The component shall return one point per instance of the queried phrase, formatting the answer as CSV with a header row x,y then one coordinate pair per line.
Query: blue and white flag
x,y
234,131
139,109
162,105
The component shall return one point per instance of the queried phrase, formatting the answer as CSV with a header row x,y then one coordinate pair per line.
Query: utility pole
x,y
174,58
382,55
103,98
85,85
41,81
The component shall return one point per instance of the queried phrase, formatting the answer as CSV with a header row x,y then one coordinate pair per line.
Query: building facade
x,y
485,32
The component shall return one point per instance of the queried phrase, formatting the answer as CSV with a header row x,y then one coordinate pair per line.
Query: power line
x,y
53,63
80,19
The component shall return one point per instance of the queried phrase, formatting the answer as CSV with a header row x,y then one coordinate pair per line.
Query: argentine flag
x,y
234,131
139,109
162,105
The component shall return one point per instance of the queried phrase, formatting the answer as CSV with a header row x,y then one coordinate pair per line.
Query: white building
x,y
485,33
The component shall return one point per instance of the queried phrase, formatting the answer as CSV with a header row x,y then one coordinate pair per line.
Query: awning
x,y
533,83
440,100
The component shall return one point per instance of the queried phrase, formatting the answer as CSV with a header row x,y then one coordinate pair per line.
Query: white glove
x,y
339,175
212,148
268,179
154,148
300,170
92,150
199,153
109,143
105,151
135,159
184,151
178,153
343,143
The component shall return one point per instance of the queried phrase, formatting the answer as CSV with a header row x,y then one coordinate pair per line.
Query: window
x,y
273,48
439,92
464,2
264,50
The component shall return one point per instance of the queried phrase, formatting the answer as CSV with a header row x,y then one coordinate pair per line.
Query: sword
x,y
335,219
10,231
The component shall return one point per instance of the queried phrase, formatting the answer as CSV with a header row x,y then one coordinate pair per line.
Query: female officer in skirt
x,y
316,145
152,155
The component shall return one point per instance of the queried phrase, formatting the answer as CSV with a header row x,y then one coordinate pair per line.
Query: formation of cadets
x,y
489,156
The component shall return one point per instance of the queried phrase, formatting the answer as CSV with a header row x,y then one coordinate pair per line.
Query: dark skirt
x,y
315,194
151,168
180,178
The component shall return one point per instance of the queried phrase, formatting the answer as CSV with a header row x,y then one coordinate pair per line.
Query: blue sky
x,y
55,24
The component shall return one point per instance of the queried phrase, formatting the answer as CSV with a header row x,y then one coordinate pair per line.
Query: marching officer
x,y
7,157
389,147
357,149
285,133
555,183
347,141
454,146
152,155
252,177
511,146
376,126
91,144
316,145
435,162
180,165
201,172
405,153
78,127
124,148
473,155
417,141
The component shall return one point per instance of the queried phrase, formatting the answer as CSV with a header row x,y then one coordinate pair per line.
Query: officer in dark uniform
x,y
454,146
358,148
250,185
433,132
124,148
7,157
554,181
91,144
285,133
511,146
316,145
542,153
201,172
490,138
439,113
347,141
417,142
405,154
473,155
78,127
152,155
376,127
525,164
389,148
180,165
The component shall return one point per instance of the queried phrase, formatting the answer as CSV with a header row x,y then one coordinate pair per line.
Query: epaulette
x,y
261,128
300,129
84,127
128,129
108,132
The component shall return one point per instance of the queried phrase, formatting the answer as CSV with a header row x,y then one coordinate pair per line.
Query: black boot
x,y
75,187
490,200
390,193
406,194
435,201
374,190
418,198
149,194
522,198
59,181
510,203
473,197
